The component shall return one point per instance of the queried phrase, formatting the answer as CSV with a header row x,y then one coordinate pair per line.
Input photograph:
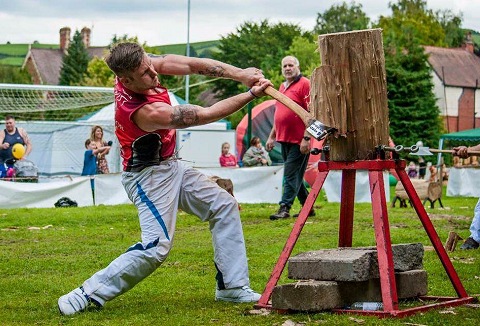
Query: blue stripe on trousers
x,y
158,217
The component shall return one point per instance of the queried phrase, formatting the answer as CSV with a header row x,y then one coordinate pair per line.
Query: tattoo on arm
x,y
213,71
157,55
184,116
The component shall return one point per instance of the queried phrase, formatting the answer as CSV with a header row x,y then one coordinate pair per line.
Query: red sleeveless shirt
x,y
139,148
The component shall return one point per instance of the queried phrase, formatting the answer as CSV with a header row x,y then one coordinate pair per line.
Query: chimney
x,y
85,32
64,38
468,45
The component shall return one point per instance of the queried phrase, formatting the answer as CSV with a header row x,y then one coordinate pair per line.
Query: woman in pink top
x,y
226,159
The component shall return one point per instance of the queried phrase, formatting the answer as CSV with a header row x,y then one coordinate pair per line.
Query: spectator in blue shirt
x,y
90,158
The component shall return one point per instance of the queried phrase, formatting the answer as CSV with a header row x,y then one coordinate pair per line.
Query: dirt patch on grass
x,y
448,217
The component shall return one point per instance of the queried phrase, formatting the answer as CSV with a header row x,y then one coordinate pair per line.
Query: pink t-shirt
x,y
289,127
228,160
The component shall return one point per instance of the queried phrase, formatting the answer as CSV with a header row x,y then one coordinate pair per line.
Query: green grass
x,y
39,265
14,49
12,61
200,48
14,54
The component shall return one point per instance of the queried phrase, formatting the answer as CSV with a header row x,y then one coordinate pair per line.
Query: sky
x,y
164,22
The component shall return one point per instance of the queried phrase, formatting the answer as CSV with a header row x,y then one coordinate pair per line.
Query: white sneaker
x,y
75,301
241,294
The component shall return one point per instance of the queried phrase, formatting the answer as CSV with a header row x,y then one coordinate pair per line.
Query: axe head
x,y
422,151
318,130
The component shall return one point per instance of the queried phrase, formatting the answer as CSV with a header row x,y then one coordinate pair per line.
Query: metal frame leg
x,y
292,239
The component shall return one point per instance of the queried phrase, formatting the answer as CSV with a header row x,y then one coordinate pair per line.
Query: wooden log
x,y
434,190
349,93
421,188
452,241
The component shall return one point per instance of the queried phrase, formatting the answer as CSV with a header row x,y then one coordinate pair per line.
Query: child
x,y
90,158
256,155
412,170
226,159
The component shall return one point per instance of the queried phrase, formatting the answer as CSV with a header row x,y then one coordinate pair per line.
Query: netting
x,y
15,98
59,147
58,120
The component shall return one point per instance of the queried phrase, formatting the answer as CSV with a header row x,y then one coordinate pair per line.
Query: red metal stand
x,y
375,170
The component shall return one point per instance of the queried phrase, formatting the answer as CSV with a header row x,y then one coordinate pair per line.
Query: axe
x,y
425,151
314,127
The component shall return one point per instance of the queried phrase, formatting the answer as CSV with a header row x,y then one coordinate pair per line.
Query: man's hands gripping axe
x,y
314,127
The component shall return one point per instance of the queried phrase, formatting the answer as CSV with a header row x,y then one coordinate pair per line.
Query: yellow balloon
x,y
18,150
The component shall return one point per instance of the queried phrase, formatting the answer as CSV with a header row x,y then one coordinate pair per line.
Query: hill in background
x,y
14,54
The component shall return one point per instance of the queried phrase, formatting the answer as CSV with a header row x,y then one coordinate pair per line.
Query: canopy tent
x,y
262,122
464,135
461,181
470,135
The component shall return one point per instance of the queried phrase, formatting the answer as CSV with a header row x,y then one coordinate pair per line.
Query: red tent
x,y
262,122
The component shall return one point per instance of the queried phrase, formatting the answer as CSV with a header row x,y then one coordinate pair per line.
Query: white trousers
x,y
158,192
475,226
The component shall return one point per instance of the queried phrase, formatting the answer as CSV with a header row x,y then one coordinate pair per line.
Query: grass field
x,y
45,253
200,48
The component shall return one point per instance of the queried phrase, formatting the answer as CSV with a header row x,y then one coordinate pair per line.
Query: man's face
x,y
144,77
289,69
10,125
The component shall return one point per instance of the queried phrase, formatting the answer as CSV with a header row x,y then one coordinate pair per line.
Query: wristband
x,y
250,91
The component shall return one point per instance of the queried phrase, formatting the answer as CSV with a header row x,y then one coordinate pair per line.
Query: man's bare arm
x,y
26,140
181,65
162,116
2,138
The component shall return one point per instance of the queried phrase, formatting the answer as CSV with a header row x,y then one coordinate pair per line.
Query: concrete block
x,y
406,257
315,296
342,264
351,264
307,296
410,284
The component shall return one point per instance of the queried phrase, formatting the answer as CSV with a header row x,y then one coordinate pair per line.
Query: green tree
x,y
305,49
413,112
14,75
261,45
342,18
123,38
454,35
75,62
411,21
98,74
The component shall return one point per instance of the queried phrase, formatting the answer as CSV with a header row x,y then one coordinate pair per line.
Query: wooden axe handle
x,y
449,151
292,105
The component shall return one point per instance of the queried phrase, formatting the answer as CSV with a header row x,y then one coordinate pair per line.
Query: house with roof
x,y
456,78
44,65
